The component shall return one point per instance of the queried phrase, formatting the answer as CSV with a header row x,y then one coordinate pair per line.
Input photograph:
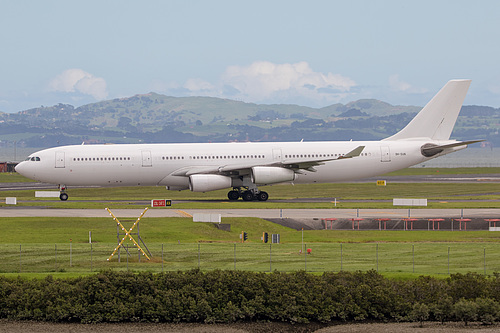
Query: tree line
x,y
238,296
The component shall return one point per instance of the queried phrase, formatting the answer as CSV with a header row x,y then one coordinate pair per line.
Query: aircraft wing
x,y
309,164
244,168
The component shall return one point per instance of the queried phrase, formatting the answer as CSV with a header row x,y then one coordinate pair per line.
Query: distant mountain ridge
x,y
153,111
154,117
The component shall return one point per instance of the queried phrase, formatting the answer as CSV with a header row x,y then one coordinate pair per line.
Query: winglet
x,y
353,153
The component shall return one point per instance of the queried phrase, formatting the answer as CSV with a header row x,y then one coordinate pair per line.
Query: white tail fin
x,y
437,119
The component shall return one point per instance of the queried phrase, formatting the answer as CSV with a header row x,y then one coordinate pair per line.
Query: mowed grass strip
x,y
363,191
364,195
392,258
24,230
42,246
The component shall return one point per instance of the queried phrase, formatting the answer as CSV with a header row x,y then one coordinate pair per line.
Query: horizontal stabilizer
x,y
429,149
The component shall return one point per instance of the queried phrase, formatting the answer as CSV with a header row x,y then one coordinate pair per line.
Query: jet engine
x,y
205,183
430,149
271,175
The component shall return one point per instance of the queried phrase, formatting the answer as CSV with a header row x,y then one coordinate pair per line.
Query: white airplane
x,y
203,167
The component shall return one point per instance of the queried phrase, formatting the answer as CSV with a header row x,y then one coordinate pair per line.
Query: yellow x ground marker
x,y
127,233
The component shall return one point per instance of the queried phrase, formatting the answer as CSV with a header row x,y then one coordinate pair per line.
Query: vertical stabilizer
x,y
437,119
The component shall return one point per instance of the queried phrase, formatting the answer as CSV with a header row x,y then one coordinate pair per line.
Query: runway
x,y
260,213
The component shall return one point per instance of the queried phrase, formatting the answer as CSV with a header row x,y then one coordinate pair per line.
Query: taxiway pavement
x,y
259,213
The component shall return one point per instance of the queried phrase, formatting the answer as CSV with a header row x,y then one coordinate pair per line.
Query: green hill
x,y
158,118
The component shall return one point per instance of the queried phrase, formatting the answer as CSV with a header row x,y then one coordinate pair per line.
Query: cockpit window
x,y
34,158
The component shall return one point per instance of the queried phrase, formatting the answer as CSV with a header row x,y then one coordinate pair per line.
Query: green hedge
x,y
230,296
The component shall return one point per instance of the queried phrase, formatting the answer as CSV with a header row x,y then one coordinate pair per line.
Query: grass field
x,y
40,246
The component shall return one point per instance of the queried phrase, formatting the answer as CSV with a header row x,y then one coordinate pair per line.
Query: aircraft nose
x,y
24,169
18,168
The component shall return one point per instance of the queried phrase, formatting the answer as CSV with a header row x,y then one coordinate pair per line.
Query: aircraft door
x,y
277,154
60,159
146,158
385,154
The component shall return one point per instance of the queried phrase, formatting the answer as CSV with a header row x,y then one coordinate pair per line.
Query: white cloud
x,y
396,84
77,80
199,85
267,82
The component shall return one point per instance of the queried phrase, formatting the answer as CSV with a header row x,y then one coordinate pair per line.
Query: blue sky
x,y
313,53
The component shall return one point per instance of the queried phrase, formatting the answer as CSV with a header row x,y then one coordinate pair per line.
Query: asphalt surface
x,y
259,213
437,178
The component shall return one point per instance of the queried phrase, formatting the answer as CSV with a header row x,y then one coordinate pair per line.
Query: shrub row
x,y
230,296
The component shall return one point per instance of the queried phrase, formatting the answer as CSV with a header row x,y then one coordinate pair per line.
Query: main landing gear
x,y
247,195
63,195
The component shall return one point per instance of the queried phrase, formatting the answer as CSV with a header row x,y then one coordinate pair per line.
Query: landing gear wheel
x,y
262,196
247,196
233,195
64,196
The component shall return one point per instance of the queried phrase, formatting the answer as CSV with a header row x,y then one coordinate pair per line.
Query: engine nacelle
x,y
271,175
205,183
430,149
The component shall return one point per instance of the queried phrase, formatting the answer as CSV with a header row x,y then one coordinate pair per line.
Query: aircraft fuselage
x,y
156,164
